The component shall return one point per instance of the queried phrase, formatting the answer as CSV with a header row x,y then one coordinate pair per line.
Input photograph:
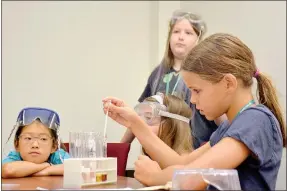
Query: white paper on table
x,y
39,188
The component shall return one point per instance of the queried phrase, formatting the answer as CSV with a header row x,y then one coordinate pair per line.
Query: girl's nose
x,y
181,36
193,100
35,143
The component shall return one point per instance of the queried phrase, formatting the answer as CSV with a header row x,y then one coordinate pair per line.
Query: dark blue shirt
x,y
259,130
201,128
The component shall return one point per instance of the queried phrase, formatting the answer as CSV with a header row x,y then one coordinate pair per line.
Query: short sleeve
x,y
12,157
148,88
146,93
254,128
55,157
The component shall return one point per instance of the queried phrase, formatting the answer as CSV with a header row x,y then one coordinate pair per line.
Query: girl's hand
x,y
114,101
120,112
44,172
146,170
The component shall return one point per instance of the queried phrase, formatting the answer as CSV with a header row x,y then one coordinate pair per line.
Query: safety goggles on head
x,y
48,117
151,112
196,22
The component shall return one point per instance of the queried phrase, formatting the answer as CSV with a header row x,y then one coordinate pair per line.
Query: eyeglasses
x,y
42,139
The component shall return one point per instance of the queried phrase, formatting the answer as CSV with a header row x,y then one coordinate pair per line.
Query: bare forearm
x,y
162,153
128,137
51,170
165,175
21,169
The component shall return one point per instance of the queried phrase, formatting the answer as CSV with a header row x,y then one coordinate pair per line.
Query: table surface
x,y
56,182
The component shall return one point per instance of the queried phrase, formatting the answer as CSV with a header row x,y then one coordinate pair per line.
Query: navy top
x,y
259,130
201,128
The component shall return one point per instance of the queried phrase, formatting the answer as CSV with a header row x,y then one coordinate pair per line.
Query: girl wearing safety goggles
x,y
168,116
185,31
37,145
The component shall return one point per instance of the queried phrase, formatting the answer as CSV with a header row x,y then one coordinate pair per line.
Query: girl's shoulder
x,y
11,157
159,70
258,129
58,156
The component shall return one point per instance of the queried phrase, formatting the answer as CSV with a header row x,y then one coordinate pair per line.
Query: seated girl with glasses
x,y
37,145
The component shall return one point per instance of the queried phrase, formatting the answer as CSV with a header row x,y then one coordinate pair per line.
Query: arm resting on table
x,y
19,169
51,170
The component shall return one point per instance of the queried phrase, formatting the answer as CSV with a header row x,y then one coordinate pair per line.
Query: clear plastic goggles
x,y
193,19
151,112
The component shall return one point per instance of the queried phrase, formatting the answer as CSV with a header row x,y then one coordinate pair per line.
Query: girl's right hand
x,y
120,112
115,101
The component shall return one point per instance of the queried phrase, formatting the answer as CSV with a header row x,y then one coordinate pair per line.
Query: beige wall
x,y
69,55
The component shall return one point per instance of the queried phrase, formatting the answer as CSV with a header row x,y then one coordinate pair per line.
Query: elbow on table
x,y
8,171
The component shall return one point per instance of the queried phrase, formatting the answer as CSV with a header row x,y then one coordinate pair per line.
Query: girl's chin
x,y
208,117
180,54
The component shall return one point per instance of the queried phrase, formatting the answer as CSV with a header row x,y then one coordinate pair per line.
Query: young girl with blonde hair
x,y
172,127
219,72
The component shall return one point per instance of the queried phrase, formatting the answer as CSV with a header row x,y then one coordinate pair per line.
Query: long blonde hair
x,y
197,24
220,54
173,132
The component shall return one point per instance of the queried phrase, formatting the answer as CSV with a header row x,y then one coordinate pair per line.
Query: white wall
x,y
69,55
262,26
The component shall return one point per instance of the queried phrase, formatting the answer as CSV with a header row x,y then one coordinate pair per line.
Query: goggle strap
x,y
59,146
5,146
23,114
14,127
174,116
52,121
158,98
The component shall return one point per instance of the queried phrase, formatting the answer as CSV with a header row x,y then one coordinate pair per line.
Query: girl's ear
x,y
17,148
230,82
54,147
16,145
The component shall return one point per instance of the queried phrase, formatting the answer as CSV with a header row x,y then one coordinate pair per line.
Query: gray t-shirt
x,y
259,130
201,128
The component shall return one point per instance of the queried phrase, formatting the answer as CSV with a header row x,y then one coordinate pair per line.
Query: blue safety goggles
x,y
48,117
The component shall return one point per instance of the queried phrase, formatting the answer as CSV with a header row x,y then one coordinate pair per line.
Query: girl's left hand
x,y
44,172
146,170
